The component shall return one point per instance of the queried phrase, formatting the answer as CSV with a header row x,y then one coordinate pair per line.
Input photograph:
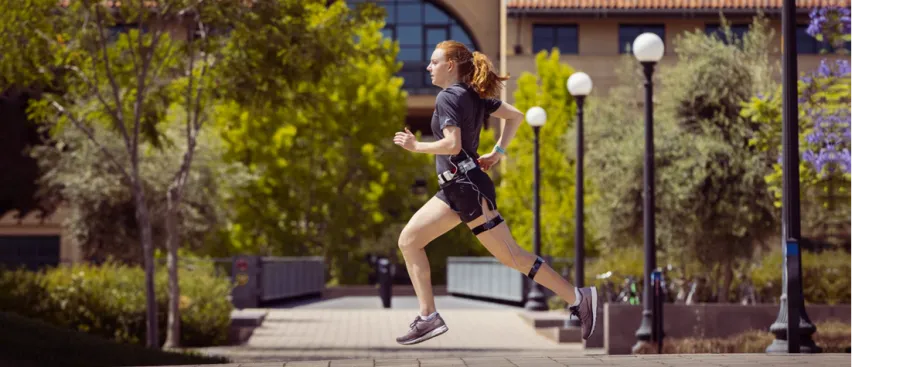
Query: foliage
x,y
709,187
825,103
831,25
546,89
118,69
321,172
31,342
108,300
826,277
614,154
832,336
101,218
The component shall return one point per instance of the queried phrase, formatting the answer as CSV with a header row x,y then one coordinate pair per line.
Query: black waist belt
x,y
452,174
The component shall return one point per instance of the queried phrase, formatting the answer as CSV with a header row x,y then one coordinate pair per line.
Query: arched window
x,y
419,25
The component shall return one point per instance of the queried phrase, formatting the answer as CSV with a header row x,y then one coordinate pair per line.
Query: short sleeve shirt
x,y
459,105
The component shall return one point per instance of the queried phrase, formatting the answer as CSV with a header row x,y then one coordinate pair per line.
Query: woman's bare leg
x,y
501,244
431,221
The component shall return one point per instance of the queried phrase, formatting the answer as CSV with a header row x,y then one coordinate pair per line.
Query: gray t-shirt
x,y
459,105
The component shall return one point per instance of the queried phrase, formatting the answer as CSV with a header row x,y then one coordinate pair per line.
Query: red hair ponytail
x,y
474,68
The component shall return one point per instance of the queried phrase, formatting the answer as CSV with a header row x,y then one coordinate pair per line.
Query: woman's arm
x,y
512,120
449,145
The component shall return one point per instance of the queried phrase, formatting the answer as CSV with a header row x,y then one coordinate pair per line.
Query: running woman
x,y
470,87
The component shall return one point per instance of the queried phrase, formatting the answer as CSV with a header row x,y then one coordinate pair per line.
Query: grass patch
x,y
832,337
32,343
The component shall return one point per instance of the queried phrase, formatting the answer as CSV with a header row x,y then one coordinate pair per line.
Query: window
x,y
806,44
629,32
115,31
738,31
419,26
548,36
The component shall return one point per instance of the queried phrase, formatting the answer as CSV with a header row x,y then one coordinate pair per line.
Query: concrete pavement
x,y
320,334
357,331
673,360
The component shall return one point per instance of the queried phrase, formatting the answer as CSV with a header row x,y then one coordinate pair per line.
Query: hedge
x,y
30,342
108,300
826,274
831,337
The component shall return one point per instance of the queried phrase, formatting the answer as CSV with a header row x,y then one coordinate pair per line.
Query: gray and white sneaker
x,y
421,330
586,311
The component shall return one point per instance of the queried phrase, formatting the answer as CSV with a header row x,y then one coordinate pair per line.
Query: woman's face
x,y
441,70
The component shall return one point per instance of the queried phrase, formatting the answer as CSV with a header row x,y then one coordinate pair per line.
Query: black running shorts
x,y
465,194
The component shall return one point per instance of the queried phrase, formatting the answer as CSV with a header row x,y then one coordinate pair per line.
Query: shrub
x,y
30,342
826,277
832,337
108,300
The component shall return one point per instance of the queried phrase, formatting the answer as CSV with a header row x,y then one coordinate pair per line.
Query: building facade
x,y
592,35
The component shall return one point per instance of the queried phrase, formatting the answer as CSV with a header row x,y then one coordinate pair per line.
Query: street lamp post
x,y
579,86
794,336
536,118
648,49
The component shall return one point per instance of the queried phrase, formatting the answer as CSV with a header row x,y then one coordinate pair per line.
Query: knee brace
x,y
488,225
536,266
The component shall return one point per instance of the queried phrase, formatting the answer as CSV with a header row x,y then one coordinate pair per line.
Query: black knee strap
x,y
535,268
488,225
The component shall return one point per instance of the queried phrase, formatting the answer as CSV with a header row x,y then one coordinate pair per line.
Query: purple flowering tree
x,y
831,25
824,133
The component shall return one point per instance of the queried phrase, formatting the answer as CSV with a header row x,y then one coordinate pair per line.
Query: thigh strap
x,y
488,225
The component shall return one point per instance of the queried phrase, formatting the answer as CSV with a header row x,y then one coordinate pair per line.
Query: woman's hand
x,y
488,160
406,140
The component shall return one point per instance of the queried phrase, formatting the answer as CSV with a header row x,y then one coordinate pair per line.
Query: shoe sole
x,y
431,334
593,310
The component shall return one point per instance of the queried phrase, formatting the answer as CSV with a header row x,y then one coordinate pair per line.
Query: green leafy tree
x,y
710,203
546,89
323,176
119,69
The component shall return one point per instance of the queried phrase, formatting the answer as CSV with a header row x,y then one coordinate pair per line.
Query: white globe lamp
x,y
648,47
536,116
579,84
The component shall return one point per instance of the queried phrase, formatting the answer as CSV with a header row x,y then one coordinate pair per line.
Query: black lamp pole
x,y
644,334
792,327
536,300
579,202
580,197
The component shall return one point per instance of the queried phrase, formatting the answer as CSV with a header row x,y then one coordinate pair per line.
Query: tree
x,y
76,173
825,103
709,195
115,68
547,89
323,174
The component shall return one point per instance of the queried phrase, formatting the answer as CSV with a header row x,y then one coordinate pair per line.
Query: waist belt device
x,y
462,168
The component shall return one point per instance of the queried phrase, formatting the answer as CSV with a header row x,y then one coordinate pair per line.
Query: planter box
x,y
702,321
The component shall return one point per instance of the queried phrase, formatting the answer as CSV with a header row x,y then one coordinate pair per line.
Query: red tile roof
x,y
668,4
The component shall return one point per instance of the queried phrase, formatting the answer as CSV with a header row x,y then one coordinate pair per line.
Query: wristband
x,y
500,150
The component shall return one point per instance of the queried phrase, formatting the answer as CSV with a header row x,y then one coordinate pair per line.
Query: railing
x,y
485,277
286,277
259,279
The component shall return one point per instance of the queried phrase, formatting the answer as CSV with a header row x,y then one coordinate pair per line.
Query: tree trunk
x,y
143,221
173,320
727,276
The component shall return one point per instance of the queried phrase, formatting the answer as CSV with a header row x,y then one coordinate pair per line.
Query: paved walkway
x,y
341,328
675,360
357,331
397,303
